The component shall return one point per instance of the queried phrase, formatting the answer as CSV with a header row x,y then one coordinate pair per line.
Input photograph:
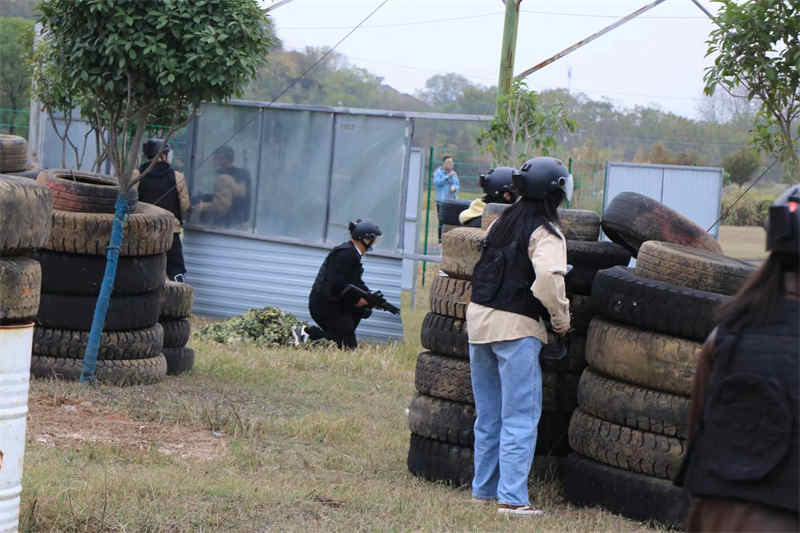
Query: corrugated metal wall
x,y
233,274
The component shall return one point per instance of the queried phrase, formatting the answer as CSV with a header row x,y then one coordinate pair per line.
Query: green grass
x,y
263,439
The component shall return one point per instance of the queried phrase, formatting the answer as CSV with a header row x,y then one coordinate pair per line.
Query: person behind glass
x,y
498,188
337,312
229,205
517,284
165,187
446,185
741,469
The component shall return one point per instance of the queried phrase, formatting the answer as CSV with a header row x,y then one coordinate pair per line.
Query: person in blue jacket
x,y
446,185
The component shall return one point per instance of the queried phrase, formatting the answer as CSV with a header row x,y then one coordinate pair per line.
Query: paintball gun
x,y
375,299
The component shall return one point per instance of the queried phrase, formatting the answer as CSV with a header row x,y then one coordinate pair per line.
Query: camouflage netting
x,y
268,325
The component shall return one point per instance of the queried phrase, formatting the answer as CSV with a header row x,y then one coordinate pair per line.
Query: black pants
x,y
340,328
175,264
439,218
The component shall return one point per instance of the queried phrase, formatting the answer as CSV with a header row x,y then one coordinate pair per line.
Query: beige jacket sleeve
x,y
224,190
548,254
183,193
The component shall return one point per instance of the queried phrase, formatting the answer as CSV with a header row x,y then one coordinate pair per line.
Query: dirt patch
x,y
65,422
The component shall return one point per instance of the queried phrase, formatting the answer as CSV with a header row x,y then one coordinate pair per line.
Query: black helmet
x,y
364,230
783,232
152,148
496,182
540,176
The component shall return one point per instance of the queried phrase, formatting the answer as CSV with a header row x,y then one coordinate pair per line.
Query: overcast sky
x,y
656,59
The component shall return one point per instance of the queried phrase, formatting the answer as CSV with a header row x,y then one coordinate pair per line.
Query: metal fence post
x,y
427,211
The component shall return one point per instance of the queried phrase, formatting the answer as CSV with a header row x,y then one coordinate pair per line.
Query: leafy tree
x,y
16,47
523,127
757,46
443,89
741,165
127,63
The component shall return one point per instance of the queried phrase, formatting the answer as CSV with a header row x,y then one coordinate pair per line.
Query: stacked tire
x,y
24,227
14,157
442,414
630,429
176,308
73,264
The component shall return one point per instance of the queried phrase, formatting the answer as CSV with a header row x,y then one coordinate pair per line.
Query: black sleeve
x,y
345,269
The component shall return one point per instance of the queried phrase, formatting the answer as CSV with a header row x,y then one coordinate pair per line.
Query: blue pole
x,y
101,307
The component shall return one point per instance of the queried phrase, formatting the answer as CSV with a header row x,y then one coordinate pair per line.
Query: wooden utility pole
x,y
509,48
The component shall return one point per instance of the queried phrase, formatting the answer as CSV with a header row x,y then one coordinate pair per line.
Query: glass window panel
x,y
369,154
77,134
295,164
223,181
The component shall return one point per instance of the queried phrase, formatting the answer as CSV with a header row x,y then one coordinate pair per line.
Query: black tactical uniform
x,y
159,187
336,313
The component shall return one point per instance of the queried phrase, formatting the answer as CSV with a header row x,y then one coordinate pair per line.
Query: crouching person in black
x,y
333,307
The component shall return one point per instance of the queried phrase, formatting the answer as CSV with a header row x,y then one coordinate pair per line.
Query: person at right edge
x,y
337,311
517,284
165,187
741,469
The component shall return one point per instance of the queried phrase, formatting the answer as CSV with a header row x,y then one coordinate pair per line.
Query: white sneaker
x,y
518,510
299,334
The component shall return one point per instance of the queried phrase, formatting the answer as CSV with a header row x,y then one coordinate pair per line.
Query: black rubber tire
x,y
13,153
633,406
450,209
176,332
82,275
627,448
84,192
692,268
116,371
587,258
631,219
442,420
651,360
581,312
26,208
461,249
31,173
179,360
448,378
434,460
636,496
149,231
450,296
114,345
439,461
443,377
445,335
620,295
76,312
176,300
20,279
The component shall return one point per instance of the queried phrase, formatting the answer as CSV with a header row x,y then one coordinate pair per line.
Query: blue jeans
x,y
507,386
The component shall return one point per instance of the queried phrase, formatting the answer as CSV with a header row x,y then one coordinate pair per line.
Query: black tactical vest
x,y
745,445
502,277
158,188
322,291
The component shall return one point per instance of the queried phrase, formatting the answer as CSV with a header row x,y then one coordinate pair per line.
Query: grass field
x,y
255,440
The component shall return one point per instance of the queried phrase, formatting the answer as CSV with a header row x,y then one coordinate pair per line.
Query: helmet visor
x,y
568,186
375,242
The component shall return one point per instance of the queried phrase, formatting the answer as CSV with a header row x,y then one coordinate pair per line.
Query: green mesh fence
x,y
14,122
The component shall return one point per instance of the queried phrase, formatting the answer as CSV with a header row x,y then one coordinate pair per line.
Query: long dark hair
x,y
528,214
760,300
